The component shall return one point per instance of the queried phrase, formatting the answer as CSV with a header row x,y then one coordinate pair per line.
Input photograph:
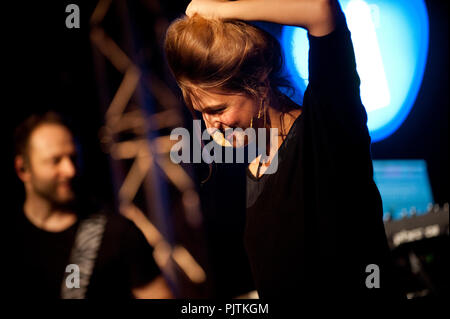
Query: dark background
x,y
424,133
53,68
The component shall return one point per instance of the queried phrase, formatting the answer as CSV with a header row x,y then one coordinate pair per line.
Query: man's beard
x,y
49,191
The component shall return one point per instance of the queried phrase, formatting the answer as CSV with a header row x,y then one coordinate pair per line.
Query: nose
x,y
211,120
67,167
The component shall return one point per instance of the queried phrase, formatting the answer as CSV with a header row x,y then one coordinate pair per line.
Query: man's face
x,y
52,163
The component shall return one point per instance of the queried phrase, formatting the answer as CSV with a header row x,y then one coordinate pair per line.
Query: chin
x,y
65,200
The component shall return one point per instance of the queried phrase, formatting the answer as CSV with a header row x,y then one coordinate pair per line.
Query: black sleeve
x,y
140,263
332,99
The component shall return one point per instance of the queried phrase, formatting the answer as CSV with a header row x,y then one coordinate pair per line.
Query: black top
x,y
316,223
124,260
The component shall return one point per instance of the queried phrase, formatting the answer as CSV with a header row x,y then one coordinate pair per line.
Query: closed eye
x,y
216,109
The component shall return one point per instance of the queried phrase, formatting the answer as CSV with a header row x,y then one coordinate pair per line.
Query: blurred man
x,y
66,250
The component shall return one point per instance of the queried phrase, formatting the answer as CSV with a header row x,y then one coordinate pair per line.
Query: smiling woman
x,y
222,111
296,238
230,72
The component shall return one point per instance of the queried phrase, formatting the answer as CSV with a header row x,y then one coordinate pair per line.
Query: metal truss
x,y
146,154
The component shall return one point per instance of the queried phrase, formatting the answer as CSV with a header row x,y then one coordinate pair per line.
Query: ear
x,y
21,168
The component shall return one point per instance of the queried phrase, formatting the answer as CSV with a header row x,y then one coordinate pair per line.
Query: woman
x,y
315,225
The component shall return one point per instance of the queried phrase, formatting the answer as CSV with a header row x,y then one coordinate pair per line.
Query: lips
x,y
65,184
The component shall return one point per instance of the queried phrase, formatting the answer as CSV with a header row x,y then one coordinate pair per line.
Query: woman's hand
x,y
207,8
317,16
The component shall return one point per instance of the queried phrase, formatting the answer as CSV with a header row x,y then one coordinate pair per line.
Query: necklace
x,y
257,170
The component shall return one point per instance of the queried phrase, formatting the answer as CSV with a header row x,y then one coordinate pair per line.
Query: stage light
x,y
390,39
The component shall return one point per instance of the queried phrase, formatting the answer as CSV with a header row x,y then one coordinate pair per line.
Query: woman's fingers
x,y
206,8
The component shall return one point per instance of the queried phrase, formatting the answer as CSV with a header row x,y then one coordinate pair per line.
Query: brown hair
x,y
230,55
26,128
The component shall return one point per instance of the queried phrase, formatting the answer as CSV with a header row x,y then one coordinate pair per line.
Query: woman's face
x,y
223,111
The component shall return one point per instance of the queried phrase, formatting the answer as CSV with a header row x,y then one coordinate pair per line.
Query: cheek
x,y
44,173
43,182
235,118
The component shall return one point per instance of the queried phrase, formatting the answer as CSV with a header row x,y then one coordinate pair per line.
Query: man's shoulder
x,y
113,220
118,225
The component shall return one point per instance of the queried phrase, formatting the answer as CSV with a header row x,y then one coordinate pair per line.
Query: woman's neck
x,y
282,120
283,123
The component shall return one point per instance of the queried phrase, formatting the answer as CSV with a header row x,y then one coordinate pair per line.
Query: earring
x,y
265,113
260,112
260,109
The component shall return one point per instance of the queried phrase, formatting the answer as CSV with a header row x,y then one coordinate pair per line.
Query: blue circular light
x,y
390,39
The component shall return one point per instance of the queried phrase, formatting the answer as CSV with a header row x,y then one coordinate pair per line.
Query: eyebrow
x,y
213,108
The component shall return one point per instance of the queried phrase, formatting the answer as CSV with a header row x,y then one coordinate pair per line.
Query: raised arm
x,y
317,16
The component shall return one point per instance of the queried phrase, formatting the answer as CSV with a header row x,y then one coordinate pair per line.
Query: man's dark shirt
x,y
125,260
